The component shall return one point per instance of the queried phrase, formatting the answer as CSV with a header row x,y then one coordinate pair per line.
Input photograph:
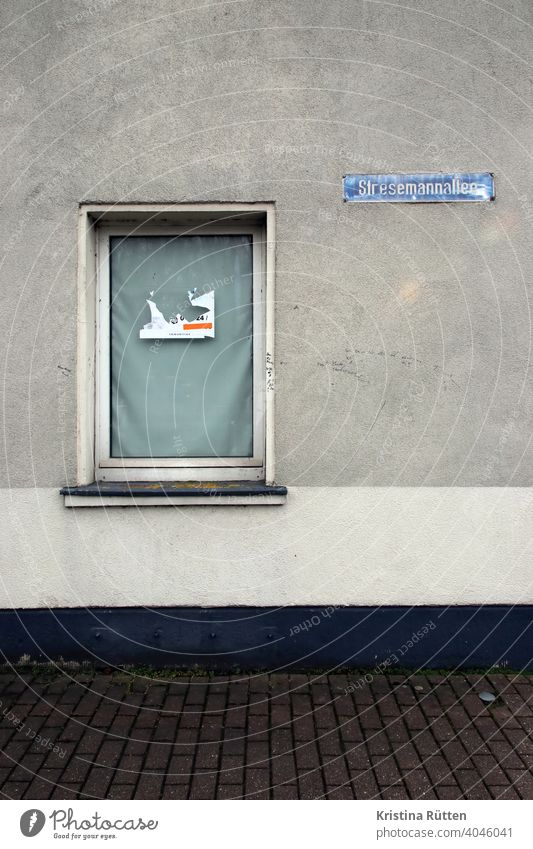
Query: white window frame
x,y
98,223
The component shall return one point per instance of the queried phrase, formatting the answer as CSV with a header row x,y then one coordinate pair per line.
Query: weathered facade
x,y
403,396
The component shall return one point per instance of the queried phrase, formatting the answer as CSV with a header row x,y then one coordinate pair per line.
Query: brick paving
x,y
76,734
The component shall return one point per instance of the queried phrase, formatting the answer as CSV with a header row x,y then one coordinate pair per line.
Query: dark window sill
x,y
168,493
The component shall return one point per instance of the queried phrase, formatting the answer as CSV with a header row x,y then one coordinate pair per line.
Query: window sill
x,y
189,494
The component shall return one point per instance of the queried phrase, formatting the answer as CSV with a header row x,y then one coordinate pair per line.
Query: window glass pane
x,y
181,397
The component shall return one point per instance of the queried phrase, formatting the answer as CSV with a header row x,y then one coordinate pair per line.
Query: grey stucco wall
x,y
403,333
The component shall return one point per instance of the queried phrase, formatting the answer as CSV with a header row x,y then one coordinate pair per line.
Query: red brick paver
x,y
85,734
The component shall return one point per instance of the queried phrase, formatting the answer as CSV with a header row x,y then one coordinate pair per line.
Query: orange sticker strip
x,y
208,326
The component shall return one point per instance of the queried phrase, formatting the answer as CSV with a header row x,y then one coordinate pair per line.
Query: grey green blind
x,y
181,397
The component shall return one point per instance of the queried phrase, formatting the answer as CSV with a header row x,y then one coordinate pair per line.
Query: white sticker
x,y
179,327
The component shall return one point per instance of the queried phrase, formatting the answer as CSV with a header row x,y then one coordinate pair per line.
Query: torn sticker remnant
x,y
179,327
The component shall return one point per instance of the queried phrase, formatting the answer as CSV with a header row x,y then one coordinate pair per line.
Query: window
x,y
179,363
171,404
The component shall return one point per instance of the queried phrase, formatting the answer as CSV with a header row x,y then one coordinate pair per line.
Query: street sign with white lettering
x,y
419,188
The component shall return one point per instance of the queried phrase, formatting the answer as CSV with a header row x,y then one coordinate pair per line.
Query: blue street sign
x,y
418,188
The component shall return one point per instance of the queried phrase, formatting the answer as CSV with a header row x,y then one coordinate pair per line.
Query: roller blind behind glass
x,y
182,398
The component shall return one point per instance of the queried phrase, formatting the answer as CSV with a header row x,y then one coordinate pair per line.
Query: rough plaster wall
x,y
338,545
403,333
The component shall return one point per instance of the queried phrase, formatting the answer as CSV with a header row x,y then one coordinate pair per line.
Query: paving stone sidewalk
x,y
67,734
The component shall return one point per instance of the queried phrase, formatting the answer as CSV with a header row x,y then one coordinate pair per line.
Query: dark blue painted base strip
x,y
274,638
